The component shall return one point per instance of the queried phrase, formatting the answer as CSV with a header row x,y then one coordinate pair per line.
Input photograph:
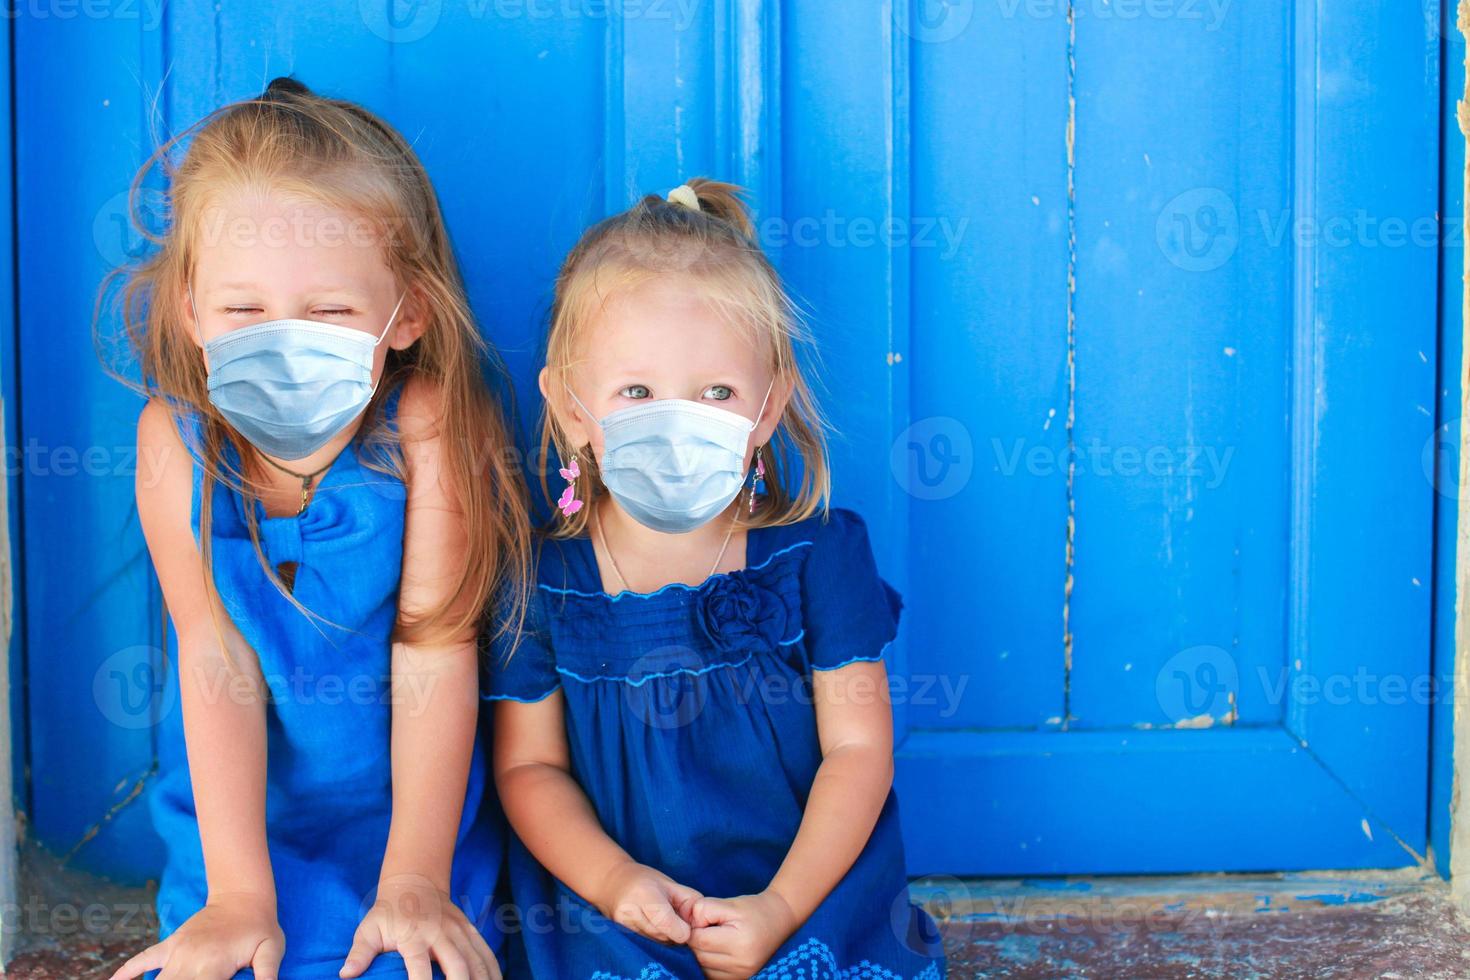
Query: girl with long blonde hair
x,y
329,508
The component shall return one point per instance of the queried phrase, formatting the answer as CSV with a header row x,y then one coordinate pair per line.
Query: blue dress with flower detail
x,y
691,727
329,796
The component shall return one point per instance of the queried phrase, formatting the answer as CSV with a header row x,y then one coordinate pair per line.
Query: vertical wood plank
x,y
1442,457
665,98
91,682
981,458
845,121
1363,528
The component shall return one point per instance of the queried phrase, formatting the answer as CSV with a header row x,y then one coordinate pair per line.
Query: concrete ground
x,y
1392,924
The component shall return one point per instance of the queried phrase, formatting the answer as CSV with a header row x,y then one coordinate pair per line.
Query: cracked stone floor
x,y
1385,924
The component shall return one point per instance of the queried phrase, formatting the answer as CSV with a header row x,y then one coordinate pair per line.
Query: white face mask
x,y
674,464
289,386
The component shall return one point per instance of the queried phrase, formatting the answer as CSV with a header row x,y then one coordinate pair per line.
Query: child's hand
x,y
423,925
649,902
734,937
231,932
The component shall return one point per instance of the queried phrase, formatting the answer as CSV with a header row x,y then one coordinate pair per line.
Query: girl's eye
x,y
333,312
635,391
719,393
234,310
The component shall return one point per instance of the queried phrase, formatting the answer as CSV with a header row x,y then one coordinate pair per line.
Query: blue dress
x,y
329,776
691,728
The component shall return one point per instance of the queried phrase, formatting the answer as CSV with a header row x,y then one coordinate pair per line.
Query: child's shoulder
x,y
415,406
835,530
156,425
845,598
166,424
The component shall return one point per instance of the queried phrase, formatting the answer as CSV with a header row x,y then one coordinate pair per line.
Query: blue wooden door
x,y
1190,345
1128,320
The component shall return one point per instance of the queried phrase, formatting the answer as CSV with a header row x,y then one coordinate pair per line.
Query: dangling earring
x,y
569,504
758,485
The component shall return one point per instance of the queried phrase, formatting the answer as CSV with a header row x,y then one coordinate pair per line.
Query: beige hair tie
x,y
684,196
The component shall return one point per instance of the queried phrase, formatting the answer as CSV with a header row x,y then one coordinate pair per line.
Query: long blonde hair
x,y
713,248
337,154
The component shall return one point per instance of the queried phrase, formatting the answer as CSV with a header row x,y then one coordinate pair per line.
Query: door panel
x,y
1239,660
1183,352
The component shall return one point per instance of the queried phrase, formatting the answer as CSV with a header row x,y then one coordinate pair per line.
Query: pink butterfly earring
x,y
569,504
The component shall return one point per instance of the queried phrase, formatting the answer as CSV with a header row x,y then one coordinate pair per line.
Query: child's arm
x,y
224,733
435,691
735,937
555,820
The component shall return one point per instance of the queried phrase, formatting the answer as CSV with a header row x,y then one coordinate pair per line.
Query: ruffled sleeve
x,y
521,666
849,612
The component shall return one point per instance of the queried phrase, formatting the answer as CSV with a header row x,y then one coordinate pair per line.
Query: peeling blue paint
x,y
1056,884
1333,898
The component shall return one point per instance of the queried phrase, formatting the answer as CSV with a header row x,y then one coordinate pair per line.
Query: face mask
x,y
674,464
289,386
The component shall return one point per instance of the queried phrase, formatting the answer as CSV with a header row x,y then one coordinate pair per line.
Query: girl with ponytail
x,y
693,737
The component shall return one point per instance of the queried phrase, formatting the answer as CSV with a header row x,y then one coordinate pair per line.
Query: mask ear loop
x,y
198,329
391,317
760,464
755,424
587,411
386,327
584,408
574,469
